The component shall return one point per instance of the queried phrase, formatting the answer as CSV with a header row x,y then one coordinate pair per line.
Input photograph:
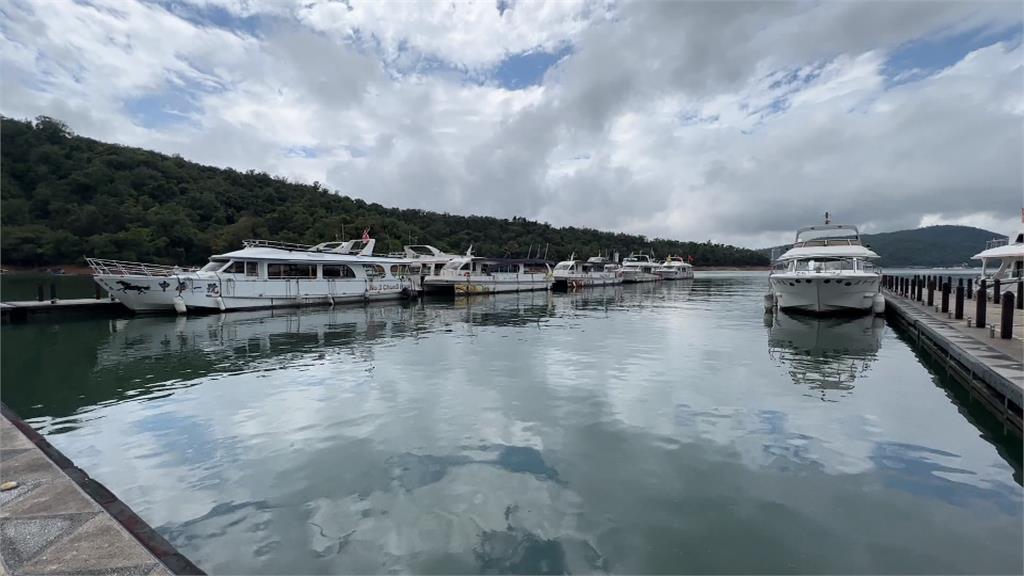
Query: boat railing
x,y
257,243
127,268
827,242
996,243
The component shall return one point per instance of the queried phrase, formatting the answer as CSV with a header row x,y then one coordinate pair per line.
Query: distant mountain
x,y
932,246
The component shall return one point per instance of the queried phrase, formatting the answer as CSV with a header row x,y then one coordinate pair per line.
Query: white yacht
x,y
595,271
464,275
1009,255
425,261
675,268
263,274
639,268
826,270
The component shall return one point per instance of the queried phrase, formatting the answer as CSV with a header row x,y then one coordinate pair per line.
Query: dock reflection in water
x,y
632,429
825,354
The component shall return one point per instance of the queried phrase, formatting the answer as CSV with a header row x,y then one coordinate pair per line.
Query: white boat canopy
x,y
847,251
1014,250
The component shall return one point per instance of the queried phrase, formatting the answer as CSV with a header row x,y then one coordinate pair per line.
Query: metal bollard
x,y
980,314
958,309
1006,319
970,288
995,291
39,292
53,292
945,297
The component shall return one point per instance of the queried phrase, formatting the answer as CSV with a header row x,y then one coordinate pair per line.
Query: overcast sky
x,y
731,121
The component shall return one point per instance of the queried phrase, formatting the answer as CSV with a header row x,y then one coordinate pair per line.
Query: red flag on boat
x,y
689,258
366,235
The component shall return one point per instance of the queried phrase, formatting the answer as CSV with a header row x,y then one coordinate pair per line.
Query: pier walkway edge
x,y
990,369
58,520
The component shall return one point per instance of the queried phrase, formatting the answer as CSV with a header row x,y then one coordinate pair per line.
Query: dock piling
x,y
970,288
98,294
931,291
39,292
959,307
1006,317
53,292
945,297
980,303
1020,293
995,291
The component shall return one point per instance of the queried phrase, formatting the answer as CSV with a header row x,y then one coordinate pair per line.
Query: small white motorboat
x,y
675,268
572,274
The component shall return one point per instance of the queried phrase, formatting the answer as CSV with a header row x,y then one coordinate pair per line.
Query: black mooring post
x,y
931,291
945,297
920,289
98,295
970,288
913,287
1020,293
1006,318
53,291
39,292
958,309
980,314
995,291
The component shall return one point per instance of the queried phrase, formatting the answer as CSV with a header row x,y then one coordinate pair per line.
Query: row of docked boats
x,y
267,274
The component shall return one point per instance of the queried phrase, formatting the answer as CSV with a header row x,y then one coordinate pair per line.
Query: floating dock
x,y
57,520
990,367
18,311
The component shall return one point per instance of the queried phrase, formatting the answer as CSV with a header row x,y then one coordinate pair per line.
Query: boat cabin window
x,y
236,267
373,271
213,266
564,266
823,265
400,269
338,271
252,269
291,271
535,268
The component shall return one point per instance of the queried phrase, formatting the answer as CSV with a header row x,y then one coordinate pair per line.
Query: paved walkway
x,y
54,523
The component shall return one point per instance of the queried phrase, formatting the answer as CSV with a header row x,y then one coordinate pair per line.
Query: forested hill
x,y
937,246
65,196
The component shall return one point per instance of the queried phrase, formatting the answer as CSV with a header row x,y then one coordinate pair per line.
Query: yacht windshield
x,y
820,265
213,265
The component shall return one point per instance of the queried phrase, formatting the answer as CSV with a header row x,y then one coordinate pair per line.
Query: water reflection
x,y
826,355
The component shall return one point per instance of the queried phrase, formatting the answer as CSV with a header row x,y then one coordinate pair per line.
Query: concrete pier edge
x,y
1001,396
150,539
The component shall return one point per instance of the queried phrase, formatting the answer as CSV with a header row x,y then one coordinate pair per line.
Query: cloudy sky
x,y
730,121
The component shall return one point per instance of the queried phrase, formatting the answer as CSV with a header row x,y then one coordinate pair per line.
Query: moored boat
x,y
465,275
639,268
827,270
572,274
1009,253
263,274
675,268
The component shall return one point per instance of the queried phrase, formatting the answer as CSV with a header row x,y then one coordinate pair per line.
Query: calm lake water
x,y
645,429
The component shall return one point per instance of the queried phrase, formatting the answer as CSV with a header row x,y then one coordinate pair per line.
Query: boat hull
x,y
676,275
191,292
824,294
468,285
573,282
636,276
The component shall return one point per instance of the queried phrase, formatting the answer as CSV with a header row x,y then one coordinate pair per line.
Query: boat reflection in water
x,y
824,354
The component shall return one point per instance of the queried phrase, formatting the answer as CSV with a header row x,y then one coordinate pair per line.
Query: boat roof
x,y
834,251
1015,250
282,255
826,231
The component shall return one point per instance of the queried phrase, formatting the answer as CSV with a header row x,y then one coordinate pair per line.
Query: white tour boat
x,y
425,261
1009,255
476,275
675,268
826,270
639,268
595,271
263,274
